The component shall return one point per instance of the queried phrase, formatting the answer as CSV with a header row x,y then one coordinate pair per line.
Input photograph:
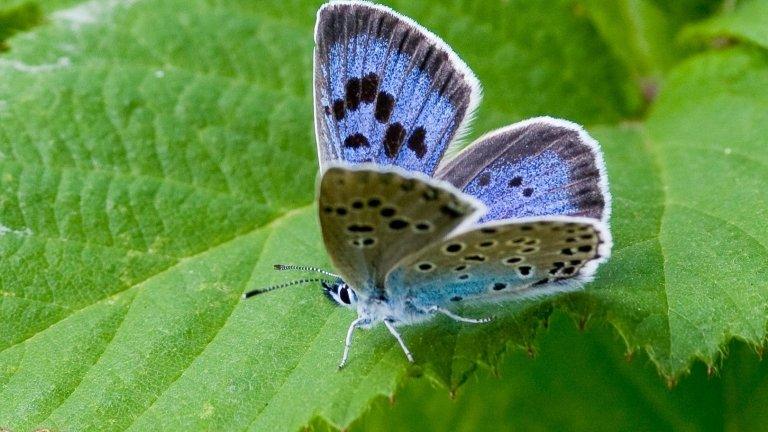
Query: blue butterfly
x,y
522,212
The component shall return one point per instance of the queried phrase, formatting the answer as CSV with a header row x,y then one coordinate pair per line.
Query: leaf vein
x,y
170,267
53,409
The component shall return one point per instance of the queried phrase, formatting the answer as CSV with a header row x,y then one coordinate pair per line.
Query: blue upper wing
x,y
539,167
387,91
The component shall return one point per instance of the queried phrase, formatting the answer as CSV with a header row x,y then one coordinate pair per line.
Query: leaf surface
x,y
742,21
581,381
157,157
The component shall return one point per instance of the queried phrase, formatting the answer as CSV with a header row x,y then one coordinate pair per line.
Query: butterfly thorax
x,y
376,308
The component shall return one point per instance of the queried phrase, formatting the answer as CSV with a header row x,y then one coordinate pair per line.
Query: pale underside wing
x,y
387,91
371,218
538,167
503,260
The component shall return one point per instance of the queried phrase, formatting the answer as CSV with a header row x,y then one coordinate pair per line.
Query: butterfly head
x,y
340,292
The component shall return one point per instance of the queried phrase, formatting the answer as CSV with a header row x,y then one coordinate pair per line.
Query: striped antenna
x,y
304,268
258,291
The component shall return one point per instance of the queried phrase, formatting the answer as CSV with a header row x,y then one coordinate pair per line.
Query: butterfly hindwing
x,y
371,217
387,91
497,261
538,167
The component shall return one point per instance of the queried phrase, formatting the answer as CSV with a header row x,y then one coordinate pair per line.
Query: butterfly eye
x,y
344,296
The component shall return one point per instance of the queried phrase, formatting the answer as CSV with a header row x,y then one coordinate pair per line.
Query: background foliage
x,y
157,156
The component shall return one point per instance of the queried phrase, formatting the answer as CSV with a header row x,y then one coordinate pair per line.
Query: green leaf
x,y
708,129
582,382
745,22
638,33
157,157
690,220
681,12
643,34
16,18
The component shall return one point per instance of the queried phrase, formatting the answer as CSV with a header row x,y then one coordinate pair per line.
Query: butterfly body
x,y
520,213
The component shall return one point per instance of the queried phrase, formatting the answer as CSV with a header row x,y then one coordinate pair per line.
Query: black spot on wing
x,y
454,247
360,228
369,87
422,226
484,180
450,211
426,266
515,181
353,94
476,257
338,109
430,194
408,185
356,141
393,139
398,224
416,142
385,104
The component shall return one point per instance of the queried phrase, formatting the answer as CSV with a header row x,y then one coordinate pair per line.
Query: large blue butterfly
x,y
521,212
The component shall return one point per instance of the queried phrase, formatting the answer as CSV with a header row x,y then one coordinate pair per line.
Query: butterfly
x,y
522,212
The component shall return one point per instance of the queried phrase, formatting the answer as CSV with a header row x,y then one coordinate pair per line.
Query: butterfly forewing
x,y
371,218
518,259
538,167
386,90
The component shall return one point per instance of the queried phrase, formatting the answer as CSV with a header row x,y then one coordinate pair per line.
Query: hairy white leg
x,y
348,341
453,316
399,338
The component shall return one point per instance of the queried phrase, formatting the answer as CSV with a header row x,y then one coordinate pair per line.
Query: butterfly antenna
x,y
258,291
305,268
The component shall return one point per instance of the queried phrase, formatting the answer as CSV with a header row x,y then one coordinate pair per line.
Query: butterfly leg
x,y
455,317
399,338
348,341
